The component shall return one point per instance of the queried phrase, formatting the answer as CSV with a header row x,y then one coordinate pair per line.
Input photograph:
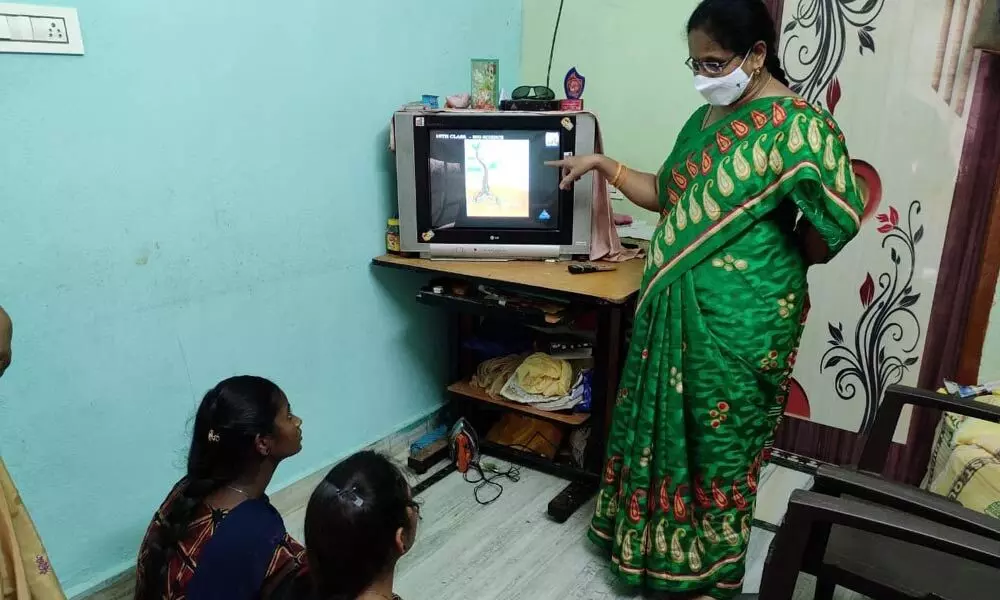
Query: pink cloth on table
x,y
604,241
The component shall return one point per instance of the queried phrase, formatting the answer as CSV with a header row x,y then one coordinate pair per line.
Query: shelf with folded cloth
x,y
465,390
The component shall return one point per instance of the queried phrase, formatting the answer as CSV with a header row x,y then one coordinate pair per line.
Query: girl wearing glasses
x,y
758,187
360,521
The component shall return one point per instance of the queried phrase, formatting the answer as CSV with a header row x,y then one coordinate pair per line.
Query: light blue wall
x,y
200,196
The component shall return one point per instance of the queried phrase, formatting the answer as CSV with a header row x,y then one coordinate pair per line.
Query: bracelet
x,y
623,179
618,175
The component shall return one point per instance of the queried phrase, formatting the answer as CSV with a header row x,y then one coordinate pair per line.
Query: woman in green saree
x,y
758,187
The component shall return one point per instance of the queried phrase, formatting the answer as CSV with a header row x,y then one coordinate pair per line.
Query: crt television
x,y
475,185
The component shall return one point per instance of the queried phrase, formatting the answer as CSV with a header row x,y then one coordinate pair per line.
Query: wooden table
x,y
610,295
610,287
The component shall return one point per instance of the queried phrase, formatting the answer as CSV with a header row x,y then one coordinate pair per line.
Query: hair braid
x,y
229,419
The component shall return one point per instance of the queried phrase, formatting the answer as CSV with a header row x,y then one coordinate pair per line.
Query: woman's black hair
x,y
737,25
351,524
223,447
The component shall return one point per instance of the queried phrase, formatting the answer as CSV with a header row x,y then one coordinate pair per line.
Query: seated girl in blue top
x,y
360,521
217,536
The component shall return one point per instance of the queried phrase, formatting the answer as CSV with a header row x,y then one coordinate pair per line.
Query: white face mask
x,y
725,90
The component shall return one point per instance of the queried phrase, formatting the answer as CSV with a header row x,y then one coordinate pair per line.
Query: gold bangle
x,y
618,175
623,179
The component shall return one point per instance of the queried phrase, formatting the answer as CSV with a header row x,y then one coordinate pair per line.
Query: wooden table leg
x,y
607,373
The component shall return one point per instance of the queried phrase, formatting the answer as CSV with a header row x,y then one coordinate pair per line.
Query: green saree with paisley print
x,y
719,317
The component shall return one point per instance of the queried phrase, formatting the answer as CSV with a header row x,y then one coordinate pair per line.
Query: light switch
x,y
40,29
20,28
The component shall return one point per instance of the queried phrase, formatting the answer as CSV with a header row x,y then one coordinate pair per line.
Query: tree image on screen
x,y
497,178
484,193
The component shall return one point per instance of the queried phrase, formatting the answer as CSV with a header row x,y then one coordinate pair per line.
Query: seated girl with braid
x,y
217,535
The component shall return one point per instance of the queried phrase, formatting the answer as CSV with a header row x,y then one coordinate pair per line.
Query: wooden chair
x,y
810,514
882,566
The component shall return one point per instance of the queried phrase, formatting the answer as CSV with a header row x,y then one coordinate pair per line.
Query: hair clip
x,y
351,495
212,436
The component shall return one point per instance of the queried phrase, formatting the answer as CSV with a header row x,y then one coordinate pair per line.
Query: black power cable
x,y
489,476
512,473
552,48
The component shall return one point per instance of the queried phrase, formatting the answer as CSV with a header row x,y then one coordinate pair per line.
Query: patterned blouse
x,y
252,558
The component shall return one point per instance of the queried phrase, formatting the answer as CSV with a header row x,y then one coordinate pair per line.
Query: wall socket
x,y
50,30
31,29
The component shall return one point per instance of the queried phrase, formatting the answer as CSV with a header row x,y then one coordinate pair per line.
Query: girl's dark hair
x,y
223,447
351,524
737,25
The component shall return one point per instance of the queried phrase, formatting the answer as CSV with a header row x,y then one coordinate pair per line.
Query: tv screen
x,y
493,179
483,180
477,184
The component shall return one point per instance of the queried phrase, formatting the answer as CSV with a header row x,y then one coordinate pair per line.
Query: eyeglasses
x,y
532,92
415,506
709,67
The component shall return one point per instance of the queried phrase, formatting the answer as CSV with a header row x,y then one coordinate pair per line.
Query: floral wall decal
x,y
816,40
883,346
871,63
870,177
798,400
833,93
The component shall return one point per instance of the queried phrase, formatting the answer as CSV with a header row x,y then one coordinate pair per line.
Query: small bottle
x,y
392,236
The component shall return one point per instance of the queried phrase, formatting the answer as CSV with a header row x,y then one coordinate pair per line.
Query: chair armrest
x,y
876,447
838,481
806,510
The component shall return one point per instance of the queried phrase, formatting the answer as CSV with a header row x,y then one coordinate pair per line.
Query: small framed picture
x,y
485,83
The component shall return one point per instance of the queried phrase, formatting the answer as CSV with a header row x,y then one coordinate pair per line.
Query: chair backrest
x,y
808,511
875,451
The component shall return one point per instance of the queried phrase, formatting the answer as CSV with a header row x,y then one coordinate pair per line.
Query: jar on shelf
x,y
392,236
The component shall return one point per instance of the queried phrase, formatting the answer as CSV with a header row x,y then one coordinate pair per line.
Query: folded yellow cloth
x,y
492,374
984,434
971,475
946,437
965,464
545,376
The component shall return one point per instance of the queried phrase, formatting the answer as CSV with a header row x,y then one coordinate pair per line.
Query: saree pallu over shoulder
x,y
719,182
25,571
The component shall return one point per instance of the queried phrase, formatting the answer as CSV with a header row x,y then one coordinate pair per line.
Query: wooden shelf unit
x,y
468,391
607,297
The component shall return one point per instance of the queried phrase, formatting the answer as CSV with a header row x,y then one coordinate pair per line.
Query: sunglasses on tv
x,y
532,92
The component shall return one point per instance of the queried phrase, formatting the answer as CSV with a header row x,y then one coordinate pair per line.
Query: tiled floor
x,y
510,550
776,486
